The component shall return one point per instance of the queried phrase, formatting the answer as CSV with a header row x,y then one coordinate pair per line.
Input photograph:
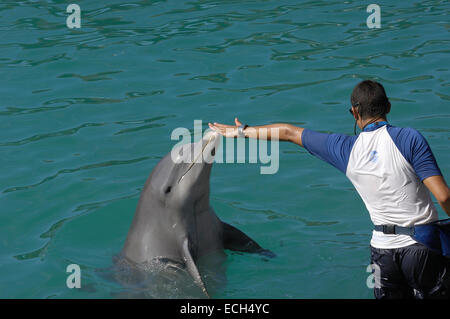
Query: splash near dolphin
x,y
174,222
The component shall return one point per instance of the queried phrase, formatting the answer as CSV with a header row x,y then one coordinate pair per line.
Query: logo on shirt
x,y
373,156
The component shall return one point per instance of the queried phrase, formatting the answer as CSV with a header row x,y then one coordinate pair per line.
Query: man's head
x,y
369,100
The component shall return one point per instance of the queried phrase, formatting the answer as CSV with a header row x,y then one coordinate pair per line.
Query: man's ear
x,y
388,108
355,113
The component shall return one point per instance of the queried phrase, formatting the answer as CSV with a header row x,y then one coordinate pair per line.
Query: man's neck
x,y
366,122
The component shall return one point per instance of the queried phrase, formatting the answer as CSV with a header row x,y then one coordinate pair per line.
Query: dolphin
x,y
174,220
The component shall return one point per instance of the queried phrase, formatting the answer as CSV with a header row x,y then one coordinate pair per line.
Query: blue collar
x,y
374,126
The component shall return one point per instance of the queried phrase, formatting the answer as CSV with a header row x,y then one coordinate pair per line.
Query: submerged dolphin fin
x,y
234,239
192,268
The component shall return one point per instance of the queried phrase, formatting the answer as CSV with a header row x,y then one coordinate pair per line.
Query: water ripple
x,y
275,215
100,76
80,210
142,127
31,63
39,137
81,168
64,103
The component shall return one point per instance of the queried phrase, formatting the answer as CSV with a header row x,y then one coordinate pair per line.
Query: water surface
x,y
87,113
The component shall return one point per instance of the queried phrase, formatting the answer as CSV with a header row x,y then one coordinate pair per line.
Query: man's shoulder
x,y
333,148
331,140
404,134
411,143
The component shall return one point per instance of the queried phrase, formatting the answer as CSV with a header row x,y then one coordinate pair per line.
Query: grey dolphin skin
x,y
174,220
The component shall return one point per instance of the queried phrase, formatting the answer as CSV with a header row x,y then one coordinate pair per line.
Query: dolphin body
x,y
174,222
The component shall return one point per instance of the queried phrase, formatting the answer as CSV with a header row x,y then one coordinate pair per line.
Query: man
x,y
392,169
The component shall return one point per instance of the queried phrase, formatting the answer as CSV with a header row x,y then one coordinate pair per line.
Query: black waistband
x,y
395,230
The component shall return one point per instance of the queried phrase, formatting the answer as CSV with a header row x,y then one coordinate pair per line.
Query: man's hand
x,y
226,130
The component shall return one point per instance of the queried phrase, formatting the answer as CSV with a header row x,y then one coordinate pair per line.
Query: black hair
x,y
370,99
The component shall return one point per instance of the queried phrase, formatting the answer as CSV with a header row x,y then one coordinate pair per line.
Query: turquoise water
x,y
86,114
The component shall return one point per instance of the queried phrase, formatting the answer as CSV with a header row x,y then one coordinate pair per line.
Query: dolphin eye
x,y
167,190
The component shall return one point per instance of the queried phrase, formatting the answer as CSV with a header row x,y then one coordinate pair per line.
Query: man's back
x,y
388,179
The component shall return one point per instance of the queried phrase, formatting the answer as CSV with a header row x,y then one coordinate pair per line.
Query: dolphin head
x,y
182,178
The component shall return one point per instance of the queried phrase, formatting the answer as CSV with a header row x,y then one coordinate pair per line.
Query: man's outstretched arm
x,y
286,132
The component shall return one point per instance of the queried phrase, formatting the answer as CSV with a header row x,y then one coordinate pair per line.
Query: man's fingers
x,y
220,130
236,121
221,125
225,130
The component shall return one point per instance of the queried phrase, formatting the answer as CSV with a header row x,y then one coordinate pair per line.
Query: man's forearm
x,y
280,131
438,187
446,206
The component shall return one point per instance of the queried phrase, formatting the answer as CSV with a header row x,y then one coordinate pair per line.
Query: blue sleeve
x,y
332,148
415,149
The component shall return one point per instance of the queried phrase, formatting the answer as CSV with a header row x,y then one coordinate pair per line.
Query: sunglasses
x,y
351,110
